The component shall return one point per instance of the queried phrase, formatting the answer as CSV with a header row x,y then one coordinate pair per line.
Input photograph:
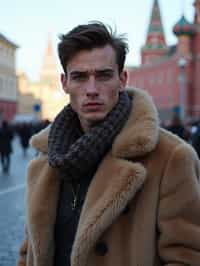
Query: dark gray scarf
x,y
75,153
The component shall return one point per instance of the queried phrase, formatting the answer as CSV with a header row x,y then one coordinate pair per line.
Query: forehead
x,y
97,58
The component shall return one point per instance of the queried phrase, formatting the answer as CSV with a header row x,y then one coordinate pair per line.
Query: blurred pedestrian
x,y
6,136
196,139
177,127
24,132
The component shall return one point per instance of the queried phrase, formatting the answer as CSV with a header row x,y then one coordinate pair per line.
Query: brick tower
x,y
184,32
196,60
155,46
49,71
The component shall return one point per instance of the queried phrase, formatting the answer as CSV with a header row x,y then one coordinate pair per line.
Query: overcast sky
x,y
28,23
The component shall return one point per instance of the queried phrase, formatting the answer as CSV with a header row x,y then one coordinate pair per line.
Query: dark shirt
x,y
67,218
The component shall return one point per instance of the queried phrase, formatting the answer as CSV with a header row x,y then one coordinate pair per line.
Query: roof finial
x,y
183,7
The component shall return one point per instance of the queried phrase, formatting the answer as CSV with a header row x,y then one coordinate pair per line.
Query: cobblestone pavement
x,y
12,206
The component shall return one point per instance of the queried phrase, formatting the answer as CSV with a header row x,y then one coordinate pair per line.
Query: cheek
x,y
76,101
113,95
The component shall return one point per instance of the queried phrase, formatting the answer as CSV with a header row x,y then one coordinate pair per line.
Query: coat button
x,y
101,248
126,209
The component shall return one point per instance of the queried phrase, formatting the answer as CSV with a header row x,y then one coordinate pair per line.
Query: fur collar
x,y
104,201
138,137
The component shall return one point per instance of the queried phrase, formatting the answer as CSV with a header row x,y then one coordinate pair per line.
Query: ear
x,y
63,80
123,79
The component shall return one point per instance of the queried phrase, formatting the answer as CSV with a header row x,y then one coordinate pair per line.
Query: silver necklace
x,y
75,196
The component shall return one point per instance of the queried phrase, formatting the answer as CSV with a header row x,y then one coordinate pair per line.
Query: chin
x,y
95,118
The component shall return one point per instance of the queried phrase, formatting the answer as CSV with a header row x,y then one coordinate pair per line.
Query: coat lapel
x,y
42,197
114,185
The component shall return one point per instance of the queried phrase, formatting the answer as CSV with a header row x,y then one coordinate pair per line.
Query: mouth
x,y
92,105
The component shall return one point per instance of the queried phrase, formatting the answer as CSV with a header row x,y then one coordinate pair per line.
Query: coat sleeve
x,y
179,209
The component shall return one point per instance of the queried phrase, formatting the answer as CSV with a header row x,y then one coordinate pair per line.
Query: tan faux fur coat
x,y
149,170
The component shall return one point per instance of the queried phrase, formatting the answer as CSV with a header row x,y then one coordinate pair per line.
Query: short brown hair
x,y
89,36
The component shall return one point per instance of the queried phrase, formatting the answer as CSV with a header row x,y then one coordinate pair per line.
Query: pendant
x,y
74,203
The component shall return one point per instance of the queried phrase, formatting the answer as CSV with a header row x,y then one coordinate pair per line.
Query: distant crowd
x,y
23,131
190,132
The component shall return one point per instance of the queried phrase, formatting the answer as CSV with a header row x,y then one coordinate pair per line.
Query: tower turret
x,y
49,71
184,31
155,46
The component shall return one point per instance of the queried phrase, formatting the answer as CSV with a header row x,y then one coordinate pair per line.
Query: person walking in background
x,y
177,127
195,139
109,187
24,132
6,136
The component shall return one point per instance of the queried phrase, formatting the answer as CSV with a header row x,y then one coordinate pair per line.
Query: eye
x,y
104,75
79,76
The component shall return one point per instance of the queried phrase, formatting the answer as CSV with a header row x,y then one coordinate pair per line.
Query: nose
x,y
91,87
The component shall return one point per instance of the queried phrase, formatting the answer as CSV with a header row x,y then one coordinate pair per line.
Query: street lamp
x,y
182,62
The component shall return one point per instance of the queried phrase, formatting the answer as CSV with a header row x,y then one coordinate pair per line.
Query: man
x,y
109,186
6,137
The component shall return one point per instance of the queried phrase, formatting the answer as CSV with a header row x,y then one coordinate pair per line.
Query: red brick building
x,y
8,79
171,74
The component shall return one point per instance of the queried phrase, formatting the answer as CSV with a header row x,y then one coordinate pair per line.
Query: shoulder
x,y
171,143
171,152
168,138
174,146
39,141
181,160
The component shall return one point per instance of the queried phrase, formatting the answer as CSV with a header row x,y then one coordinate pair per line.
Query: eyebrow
x,y
96,71
104,71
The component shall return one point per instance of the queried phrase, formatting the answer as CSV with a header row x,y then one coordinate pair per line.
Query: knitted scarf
x,y
75,153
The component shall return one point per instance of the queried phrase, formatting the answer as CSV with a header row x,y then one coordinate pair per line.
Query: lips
x,y
92,105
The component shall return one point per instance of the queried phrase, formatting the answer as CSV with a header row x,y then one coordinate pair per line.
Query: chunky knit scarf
x,y
75,153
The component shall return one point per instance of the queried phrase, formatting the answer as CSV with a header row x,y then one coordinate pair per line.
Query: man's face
x,y
93,83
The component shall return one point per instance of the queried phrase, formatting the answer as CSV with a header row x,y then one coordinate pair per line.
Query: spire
x,y
155,40
49,70
155,36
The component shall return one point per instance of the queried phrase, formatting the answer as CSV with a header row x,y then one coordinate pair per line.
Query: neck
x,y
87,126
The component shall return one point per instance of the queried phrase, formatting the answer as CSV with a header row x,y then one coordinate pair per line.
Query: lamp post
x,y
182,65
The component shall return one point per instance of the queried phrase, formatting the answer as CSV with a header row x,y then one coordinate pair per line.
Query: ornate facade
x,y
171,73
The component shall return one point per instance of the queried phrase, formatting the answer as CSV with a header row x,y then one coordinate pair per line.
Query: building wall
x,y
196,74
48,95
162,81
46,91
197,86
27,95
8,80
7,110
